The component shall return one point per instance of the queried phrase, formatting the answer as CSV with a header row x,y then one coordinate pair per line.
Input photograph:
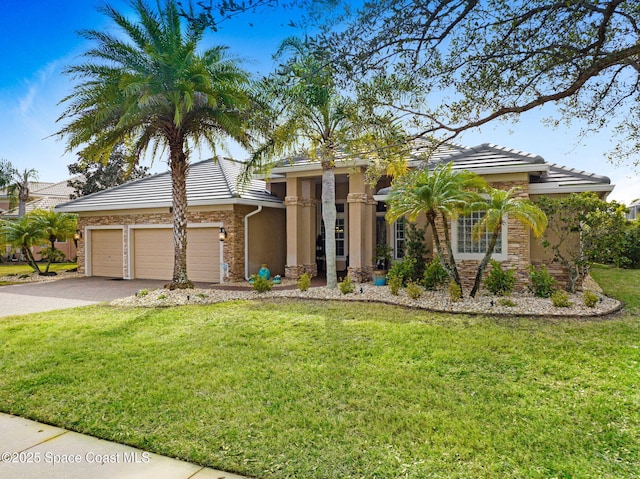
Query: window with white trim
x,y
399,238
341,230
466,247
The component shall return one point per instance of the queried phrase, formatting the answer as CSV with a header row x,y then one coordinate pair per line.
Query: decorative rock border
x,y
436,301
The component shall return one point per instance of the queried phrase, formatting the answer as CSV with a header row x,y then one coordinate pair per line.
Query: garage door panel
x,y
203,255
153,254
107,257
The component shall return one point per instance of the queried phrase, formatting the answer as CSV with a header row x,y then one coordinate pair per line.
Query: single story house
x,y
277,219
43,196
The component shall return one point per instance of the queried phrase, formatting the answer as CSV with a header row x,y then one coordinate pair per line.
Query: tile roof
x,y
209,182
545,177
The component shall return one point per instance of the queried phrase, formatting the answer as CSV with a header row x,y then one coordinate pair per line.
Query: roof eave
x,y
165,204
552,188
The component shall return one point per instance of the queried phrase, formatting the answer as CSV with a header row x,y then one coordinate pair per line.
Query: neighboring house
x,y
127,229
45,196
633,212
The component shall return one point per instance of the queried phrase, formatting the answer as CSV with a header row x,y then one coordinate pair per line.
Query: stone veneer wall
x,y
231,219
518,247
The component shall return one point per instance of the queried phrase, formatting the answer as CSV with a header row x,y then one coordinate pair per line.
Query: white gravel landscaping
x,y
439,301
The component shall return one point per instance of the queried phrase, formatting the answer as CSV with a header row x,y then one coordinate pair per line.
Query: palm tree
x,y
24,234
441,193
308,116
55,226
18,185
499,205
155,89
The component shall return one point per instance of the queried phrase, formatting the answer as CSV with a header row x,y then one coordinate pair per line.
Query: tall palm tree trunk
x,y
443,261
179,168
452,260
329,217
485,261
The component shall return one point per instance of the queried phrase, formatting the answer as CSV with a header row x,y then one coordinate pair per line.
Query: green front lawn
x,y
622,284
7,269
330,390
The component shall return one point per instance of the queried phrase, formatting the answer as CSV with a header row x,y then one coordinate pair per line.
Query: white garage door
x,y
153,254
106,254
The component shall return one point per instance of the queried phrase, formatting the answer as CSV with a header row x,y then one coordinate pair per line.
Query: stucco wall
x,y
268,241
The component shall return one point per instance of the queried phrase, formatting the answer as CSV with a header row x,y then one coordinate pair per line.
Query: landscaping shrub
x,y
346,286
434,275
416,249
261,285
560,299
499,281
142,293
509,303
590,299
403,269
395,283
414,290
304,282
541,283
455,292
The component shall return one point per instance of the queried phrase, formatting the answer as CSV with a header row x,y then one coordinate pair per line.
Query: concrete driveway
x,y
67,293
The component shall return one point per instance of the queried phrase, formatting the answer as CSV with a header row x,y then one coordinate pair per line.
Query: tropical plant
x,y
23,234
55,226
414,290
442,193
149,85
416,249
309,116
541,282
346,286
590,299
583,228
17,184
499,205
304,282
403,270
560,299
434,275
499,281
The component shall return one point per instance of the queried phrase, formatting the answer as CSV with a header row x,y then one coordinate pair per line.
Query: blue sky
x,y
38,38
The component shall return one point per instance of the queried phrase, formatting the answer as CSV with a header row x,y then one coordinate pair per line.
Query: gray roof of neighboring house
x,y
209,182
46,195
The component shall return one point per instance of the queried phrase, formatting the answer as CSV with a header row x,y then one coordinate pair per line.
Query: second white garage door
x,y
153,254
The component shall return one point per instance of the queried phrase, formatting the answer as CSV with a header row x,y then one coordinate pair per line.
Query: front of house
x,y
127,230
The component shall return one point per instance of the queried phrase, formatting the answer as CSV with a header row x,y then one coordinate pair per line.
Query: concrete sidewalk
x,y
31,450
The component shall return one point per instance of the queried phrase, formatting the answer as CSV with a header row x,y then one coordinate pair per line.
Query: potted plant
x,y
381,260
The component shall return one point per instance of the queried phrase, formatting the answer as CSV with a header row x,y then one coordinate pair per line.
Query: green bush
x,y
499,281
509,303
53,255
403,269
590,299
304,282
142,293
455,292
560,299
541,283
434,275
414,290
260,284
395,283
346,286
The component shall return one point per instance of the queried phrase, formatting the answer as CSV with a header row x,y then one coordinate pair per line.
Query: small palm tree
x,y
152,87
441,193
55,226
499,205
18,185
23,234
